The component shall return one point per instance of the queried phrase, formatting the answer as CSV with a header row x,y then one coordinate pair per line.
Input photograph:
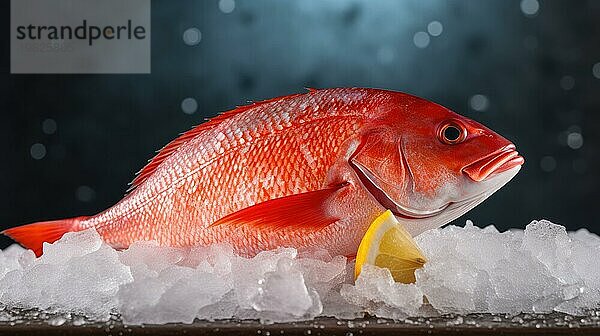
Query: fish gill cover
x,y
470,269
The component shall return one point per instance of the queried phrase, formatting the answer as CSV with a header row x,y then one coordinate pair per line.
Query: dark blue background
x,y
535,71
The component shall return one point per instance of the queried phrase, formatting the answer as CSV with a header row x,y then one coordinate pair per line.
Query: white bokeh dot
x,y
548,164
85,193
575,140
479,102
37,151
49,126
226,6
567,82
530,7
435,28
189,105
192,36
421,39
596,70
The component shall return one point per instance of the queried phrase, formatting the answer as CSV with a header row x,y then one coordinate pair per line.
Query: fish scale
x,y
305,171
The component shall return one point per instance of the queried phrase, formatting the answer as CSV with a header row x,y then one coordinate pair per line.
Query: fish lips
x,y
504,159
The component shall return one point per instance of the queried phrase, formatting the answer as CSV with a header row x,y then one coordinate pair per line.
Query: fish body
x,y
305,170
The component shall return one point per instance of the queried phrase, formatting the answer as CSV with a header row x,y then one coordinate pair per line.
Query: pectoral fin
x,y
306,211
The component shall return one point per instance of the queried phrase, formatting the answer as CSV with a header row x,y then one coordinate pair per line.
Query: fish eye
x,y
452,133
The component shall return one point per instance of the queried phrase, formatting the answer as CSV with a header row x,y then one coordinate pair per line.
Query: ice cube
x,y
333,303
218,256
376,291
586,265
72,244
250,272
452,286
80,274
323,276
585,236
159,301
10,259
522,284
147,259
284,292
551,245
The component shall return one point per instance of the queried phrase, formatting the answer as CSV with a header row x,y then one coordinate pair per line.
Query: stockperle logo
x,y
80,36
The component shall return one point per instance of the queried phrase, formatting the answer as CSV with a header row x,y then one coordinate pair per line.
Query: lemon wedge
x,y
387,244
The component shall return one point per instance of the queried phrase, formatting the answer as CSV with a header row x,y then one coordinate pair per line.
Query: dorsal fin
x,y
172,146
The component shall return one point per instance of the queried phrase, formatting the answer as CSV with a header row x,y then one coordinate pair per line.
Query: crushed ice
x,y
469,269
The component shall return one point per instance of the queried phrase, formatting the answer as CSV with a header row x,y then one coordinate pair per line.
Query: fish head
x,y
429,165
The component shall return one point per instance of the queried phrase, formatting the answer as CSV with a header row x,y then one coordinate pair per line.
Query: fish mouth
x,y
496,169
369,181
460,207
504,159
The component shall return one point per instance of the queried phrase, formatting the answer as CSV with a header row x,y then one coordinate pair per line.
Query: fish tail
x,y
33,236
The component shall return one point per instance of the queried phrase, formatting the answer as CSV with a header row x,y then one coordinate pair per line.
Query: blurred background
x,y
528,69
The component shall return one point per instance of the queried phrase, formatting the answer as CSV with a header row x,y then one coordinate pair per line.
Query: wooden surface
x,y
475,324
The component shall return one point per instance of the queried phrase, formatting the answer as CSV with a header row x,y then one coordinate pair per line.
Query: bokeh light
x,y
435,28
575,140
567,82
85,193
421,39
530,7
596,70
37,151
479,102
49,126
226,6
192,36
548,163
189,105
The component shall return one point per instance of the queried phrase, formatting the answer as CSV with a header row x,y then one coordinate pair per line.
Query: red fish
x,y
304,170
